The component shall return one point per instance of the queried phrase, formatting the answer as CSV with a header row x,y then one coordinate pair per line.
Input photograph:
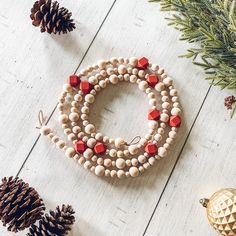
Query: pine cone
x,y
57,223
229,101
51,18
20,205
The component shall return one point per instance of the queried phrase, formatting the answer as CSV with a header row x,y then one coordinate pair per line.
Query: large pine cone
x,y
51,18
57,223
20,205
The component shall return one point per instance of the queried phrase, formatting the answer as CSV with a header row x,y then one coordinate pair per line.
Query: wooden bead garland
x,y
101,154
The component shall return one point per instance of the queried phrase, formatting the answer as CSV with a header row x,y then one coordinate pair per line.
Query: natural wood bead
x,y
128,162
146,165
107,173
114,79
63,118
91,142
143,141
103,84
99,136
67,88
142,159
158,137
173,92
74,116
166,146
60,144
87,165
165,99
120,174
133,78
134,172
166,105
175,111
151,161
113,173
92,80
147,136
159,87
81,160
161,131
151,95
133,61
176,104
127,174
152,124
71,137
121,60
100,161
135,71
45,130
110,71
154,67
143,85
175,99
126,77
164,117
114,61
107,162
141,74
152,102
89,98
126,153
94,158
134,161
169,140
67,131
78,98
70,152
55,139
120,163
122,69
85,139
172,134
168,81
105,139
80,135
120,153
119,142
88,153
113,153
163,125
141,169
162,152
92,168
102,64
89,128
133,149
85,122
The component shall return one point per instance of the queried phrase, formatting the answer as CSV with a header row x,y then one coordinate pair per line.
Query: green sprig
x,y
211,26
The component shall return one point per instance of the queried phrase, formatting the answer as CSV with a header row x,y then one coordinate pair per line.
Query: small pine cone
x,y
57,223
20,205
51,18
229,101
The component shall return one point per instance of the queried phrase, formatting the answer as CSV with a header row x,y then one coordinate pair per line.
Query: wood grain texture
x,y
33,67
207,164
103,206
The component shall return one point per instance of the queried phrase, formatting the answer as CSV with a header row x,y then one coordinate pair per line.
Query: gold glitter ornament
x,y
221,211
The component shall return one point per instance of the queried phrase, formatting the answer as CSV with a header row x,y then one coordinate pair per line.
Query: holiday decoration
x,y
56,223
20,205
116,157
212,25
221,211
51,18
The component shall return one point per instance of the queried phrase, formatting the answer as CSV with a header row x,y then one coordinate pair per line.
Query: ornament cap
x,y
204,202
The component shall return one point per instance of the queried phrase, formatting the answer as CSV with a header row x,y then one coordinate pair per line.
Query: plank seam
x,y
85,54
176,162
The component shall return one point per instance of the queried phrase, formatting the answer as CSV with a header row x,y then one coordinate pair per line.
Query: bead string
x,y
108,156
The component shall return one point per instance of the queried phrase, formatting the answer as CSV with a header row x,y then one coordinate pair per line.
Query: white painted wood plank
x,y
206,165
114,207
33,67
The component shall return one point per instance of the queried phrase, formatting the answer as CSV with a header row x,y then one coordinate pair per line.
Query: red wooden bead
x,y
154,114
80,146
143,63
152,80
74,80
175,121
85,87
151,148
100,148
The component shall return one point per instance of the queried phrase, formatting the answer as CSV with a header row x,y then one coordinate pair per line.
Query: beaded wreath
x,y
115,157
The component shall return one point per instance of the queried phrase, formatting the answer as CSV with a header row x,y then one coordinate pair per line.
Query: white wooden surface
x,y
34,66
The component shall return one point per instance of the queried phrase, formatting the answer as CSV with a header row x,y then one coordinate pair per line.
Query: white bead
x,y
71,137
107,162
170,140
67,88
99,170
89,98
152,102
141,74
110,71
151,95
102,64
134,172
172,134
74,116
154,67
60,144
113,153
122,69
120,153
119,142
151,161
99,136
85,110
120,174
164,117
134,162
152,124
143,141
162,152
102,84
133,149
45,130
166,105
113,79
173,92
176,104
89,128
70,152
114,60
143,85
63,118
159,86
92,80
168,81
120,163
126,77
88,153
87,165
91,142
142,159
133,61
133,78
161,131
175,111
158,137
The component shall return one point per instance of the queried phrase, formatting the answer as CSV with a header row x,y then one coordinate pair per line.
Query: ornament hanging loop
x,y
41,119
132,142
